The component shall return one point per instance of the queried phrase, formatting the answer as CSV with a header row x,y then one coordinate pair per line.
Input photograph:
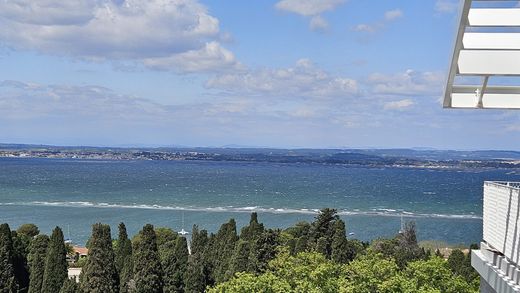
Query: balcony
x,y
497,260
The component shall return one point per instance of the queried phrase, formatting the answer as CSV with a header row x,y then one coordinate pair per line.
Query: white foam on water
x,y
247,209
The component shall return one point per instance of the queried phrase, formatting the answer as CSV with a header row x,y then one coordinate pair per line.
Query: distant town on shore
x,y
413,158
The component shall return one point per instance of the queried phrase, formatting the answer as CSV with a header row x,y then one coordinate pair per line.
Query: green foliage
x,y
222,251
99,273
323,227
263,250
70,286
370,273
30,230
55,263
308,272
7,278
123,258
305,272
36,260
165,235
147,266
174,260
247,282
197,275
21,243
253,230
240,260
403,248
435,275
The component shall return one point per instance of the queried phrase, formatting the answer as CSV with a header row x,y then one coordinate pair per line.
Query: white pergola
x,y
485,66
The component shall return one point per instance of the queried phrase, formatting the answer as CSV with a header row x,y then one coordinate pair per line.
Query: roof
x,y
80,250
485,66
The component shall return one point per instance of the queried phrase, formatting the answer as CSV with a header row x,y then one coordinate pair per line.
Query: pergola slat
x,y
489,62
497,41
494,17
489,101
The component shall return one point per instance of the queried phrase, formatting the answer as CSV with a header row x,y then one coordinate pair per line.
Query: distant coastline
x,y
408,158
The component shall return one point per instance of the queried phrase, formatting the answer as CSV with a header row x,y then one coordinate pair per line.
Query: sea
x,y
445,204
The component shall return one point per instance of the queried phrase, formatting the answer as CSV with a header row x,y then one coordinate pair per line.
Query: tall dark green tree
x,y
123,256
55,263
70,286
223,249
174,259
253,230
21,244
195,276
340,250
240,260
7,278
323,225
197,272
199,240
36,260
263,250
100,273
148,271
30,230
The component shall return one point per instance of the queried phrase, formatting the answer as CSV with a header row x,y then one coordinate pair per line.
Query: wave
x,y
247,209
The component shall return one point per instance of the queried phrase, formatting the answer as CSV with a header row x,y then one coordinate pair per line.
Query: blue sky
x,y
287,73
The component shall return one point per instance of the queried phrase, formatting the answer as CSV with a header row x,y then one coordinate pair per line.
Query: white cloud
x,y
318,23
408,83
398,105
389,16
109,30
211,58
446,6
310,8
364,28
392,15
304,80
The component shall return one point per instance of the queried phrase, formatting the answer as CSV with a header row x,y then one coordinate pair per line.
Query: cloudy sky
x,y
287,73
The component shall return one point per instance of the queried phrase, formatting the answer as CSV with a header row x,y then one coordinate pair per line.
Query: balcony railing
x,y
501,218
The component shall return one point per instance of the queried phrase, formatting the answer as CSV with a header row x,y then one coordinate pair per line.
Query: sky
x,y
285,73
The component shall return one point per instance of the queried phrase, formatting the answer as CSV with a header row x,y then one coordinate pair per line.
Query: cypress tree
x,y
199,240
195,275
197,270
99,273
55,263
123,257
253,230
339,246
147,265
70,286
225,241
36,259
7,277
263,250
174,259
30,230
240,261
21,244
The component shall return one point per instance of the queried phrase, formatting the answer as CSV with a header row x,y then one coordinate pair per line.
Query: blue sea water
x,y
74,194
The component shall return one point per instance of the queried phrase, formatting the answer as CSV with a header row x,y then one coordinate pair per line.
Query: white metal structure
x,y
485,66
499,255
485,74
